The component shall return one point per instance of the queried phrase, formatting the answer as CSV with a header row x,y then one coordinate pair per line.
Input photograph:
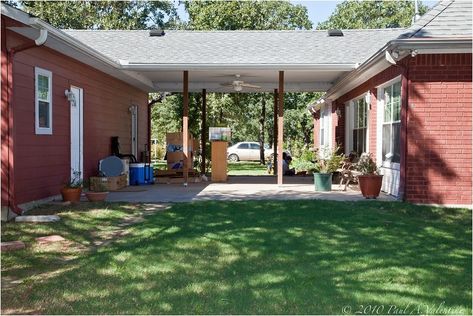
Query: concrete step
x,y
37,218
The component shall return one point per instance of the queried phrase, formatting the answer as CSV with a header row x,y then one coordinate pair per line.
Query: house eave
x,y
404,47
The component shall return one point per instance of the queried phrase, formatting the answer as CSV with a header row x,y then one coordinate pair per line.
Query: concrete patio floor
x,y
238,188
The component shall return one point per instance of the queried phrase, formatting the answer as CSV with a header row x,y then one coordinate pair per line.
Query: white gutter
x,y
403,48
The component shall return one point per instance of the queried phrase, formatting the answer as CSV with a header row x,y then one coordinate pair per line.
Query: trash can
x,y
137,173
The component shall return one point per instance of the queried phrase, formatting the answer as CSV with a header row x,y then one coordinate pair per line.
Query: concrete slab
x,y
240,188
49,239
12,245
37,218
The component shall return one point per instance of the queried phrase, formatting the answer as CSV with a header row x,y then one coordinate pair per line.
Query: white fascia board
x,y
377,62
181,67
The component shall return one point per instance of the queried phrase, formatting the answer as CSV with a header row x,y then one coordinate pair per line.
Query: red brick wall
x,y
42,162
439,131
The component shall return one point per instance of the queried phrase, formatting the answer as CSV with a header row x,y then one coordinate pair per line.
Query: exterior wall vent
x,y
335,33
156,32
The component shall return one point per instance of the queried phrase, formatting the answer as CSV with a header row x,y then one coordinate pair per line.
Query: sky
x,y
318,10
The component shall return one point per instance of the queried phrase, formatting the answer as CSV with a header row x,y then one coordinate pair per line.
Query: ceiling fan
x,y
238,84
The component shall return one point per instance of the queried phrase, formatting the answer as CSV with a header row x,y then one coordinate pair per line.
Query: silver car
x,y
247,151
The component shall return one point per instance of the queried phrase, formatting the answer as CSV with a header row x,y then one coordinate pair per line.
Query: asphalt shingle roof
x,y
448,18
242,47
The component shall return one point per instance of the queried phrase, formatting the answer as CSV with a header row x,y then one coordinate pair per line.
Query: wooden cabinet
x,y
219,161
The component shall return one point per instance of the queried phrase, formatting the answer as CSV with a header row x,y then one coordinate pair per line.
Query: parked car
x,y
247,151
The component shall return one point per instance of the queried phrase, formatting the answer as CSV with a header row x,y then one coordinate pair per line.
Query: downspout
x,y
10,58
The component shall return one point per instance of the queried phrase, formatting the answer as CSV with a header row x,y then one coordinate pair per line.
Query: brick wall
x,y
439,126
439,130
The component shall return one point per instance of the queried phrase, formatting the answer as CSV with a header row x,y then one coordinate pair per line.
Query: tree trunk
x,y
261,131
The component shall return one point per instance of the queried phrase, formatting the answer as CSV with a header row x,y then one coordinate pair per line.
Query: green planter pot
x,y
323,182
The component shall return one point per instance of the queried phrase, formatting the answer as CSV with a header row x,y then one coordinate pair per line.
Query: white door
x,y
134,130
77,136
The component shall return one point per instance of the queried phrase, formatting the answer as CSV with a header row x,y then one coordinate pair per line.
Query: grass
x,y
258,257
246,168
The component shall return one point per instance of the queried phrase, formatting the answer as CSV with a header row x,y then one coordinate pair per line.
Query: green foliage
x,y
330,162
302,165
372,15
246,15
103,15
366,164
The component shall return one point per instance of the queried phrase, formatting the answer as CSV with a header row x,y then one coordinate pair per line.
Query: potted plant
x,y
324,169
73,188
97,192
370,181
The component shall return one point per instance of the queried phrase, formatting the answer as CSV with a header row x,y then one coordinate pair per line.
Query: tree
x,y
372,15
246,15
103,15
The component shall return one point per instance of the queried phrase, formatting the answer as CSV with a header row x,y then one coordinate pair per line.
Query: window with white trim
x,y
325,114
360,126
392,123
43,102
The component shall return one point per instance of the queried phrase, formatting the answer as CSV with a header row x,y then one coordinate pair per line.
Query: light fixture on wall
x,y
338,112
368,99
70,97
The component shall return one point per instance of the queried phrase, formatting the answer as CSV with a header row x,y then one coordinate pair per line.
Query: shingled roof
x,y
448,18
237,47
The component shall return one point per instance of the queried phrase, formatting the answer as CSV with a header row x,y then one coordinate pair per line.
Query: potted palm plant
x,y
370,180
324,169
97,192
73,188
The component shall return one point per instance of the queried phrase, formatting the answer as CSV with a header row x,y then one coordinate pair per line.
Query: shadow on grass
x,y
294,257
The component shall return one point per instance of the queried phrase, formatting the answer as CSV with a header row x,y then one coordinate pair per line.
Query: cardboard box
x,y
109,183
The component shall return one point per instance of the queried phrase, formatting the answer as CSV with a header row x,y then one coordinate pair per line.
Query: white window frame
x,y
326,123
46,73
350,119
380,123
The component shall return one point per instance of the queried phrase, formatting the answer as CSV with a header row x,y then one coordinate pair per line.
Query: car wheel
x,y
233,158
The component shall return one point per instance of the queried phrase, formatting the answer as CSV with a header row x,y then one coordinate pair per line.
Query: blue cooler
x,y
137,173
149,175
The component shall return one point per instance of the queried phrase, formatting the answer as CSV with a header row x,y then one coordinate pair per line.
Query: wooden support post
x,y
275,133
185,126
280,125
204,130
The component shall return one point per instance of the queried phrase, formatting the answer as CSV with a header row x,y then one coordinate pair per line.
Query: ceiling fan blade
x,y
227,84
248,85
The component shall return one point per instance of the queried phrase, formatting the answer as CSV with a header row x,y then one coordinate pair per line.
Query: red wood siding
x,y
439,126
42,162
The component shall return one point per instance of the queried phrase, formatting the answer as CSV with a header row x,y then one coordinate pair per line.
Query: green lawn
x,y
259,257
246,168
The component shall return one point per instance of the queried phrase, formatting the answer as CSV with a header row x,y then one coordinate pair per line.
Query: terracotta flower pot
x,y
96,196
71,194
370,185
